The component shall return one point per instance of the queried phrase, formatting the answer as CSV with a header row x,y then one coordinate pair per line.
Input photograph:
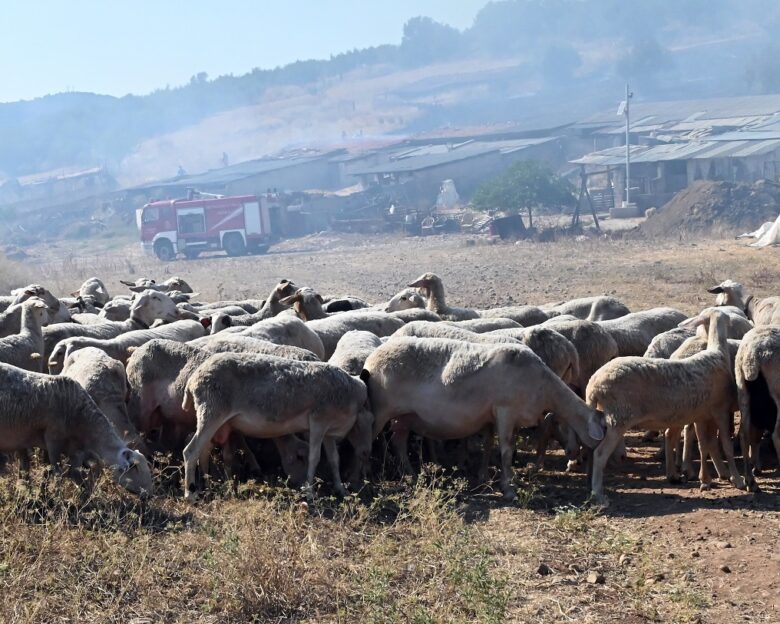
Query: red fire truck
x,y
202,222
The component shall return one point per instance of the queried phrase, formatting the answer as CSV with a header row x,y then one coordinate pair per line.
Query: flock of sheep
x,y
157,370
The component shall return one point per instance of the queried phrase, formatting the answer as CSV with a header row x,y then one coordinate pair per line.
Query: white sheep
x,y
449,389
268,397
25,348
761,311
667,395
58,415
634,332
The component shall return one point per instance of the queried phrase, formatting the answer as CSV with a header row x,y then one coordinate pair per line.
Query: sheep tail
x,y
749,365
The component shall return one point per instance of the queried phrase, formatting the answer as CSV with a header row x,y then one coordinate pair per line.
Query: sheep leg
x,y
228,460
400,442
332,453
544,432
705,445
198,450
254,467
316,436
688,471
755,449
671,438
599,459
776,437
505,428
745,431
725,426
487,451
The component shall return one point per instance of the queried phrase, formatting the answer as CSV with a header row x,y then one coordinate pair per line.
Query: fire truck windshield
x,y
151,215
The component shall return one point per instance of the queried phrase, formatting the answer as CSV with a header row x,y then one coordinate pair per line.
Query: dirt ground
x,y
666,553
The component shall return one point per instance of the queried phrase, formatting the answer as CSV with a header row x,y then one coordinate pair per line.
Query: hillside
x,y
519,59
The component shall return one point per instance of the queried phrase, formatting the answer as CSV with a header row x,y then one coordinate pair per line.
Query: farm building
x,y
421,169
660,171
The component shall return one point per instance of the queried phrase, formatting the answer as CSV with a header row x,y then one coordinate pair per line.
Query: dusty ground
x,y
660,548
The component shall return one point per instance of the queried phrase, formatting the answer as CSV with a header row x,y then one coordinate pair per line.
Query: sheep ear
x,y
137,289
290,300
126,283
715,290
596,426
693,322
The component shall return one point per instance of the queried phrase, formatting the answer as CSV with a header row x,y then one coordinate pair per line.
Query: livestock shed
x,y
421,169
660,171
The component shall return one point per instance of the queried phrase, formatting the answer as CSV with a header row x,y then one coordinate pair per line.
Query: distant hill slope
x,y
517,54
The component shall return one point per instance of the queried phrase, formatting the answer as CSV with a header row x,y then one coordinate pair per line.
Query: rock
x,y
596,578
695,554
725,569
624,560
544,569
723,544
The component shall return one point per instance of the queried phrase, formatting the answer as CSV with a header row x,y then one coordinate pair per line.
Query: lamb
x,y
57,414
761,311
157,374
634,332
433,289
25,348
283,330
353,349
150,305
105,380
119,347
484,325
756,366
449,389
599,308
267,397
666,395
331,329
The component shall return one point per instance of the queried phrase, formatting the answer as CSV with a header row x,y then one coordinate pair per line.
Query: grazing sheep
x,y
149,305
25,348
57,414
105,380
331,329
482,326
407,299
448,389
634,332
599,308
244,344
353,349
157,374
268,397
757,371
433,289
120,346
761,311
667,395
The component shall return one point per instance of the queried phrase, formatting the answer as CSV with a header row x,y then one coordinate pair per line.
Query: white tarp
x,y
770,234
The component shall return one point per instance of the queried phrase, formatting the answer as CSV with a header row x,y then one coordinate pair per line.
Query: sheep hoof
x,y
340,490
191,496
675,478
598,500
738,482
705,486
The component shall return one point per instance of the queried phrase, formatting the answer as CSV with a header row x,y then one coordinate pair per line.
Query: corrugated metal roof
x,y
436,155
680,151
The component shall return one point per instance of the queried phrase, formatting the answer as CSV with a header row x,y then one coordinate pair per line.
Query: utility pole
x,y
628,147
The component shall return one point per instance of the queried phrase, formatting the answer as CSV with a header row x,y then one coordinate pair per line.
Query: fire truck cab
x,y
199,223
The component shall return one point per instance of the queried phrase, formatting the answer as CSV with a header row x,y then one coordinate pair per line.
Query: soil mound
x,y
715,209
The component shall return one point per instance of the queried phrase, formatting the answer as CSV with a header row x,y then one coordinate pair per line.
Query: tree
x,y
527,185
427,41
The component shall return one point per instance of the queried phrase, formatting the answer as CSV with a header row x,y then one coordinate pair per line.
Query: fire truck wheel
x,y
234,245
163,249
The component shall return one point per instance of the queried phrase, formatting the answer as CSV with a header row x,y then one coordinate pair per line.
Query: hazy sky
x,y
135,46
